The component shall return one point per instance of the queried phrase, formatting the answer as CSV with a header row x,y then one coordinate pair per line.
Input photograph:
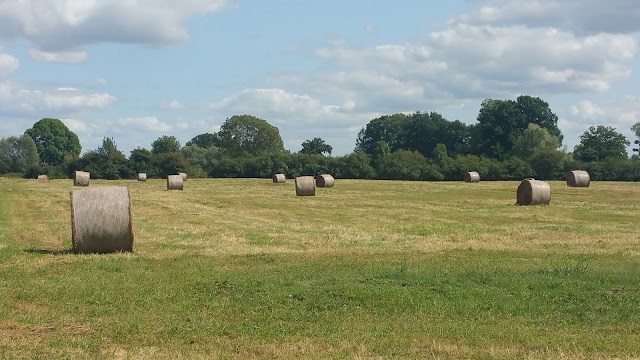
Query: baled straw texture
x,y
81,178
101,220
305,186
142,176
578,178
43,178
175,182
184,176
325,180
471,177
279,179
533,192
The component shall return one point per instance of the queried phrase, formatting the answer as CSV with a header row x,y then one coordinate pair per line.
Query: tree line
x,y
511,140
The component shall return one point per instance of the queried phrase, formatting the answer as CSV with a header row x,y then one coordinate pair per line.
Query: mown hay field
x,y
244,268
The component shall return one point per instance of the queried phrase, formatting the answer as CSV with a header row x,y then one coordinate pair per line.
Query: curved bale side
x,y
101,220
43,178
175,182
533,192
279,179
471,177
142,177
325,180
578,178
305,186
81,178
184,176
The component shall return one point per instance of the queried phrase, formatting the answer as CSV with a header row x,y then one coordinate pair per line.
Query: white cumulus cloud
x,y
145,123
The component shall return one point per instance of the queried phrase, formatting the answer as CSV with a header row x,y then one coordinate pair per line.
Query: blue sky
x,y
140,69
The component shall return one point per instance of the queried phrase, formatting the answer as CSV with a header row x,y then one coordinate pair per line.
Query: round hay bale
x,y
184,176
305,186
325,180
142,176
578,178
175,182
533,192
471,177
43,178
101,220
81,178
279,179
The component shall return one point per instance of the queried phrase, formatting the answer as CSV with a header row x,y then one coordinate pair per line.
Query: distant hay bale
x,y
471,177
325,180
279,179
81,178
142,176
43,178
184,176
101,220
175,182
578,178
533,192
305,186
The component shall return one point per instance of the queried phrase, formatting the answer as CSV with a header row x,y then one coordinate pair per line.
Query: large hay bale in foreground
x,y
43,178
279,179
305,186
101,220
142,176
471,177
184,176
533,192
81,178
175,182
578,178
325,180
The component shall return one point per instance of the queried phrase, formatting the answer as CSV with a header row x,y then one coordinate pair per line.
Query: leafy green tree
x,y
423,131
316,146
403,165
18,155
168,163
53,141
165,144
387,129
202,157
353,166
247,135
205,140
141,160
599,143
502,122
534,138
106,162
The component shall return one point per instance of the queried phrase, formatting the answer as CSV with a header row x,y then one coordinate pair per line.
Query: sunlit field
x,y
243,268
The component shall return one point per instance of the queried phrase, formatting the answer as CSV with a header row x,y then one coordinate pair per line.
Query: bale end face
x,y
533,192
305,186
43,178
279,179
101,220
175,182
325,180
142,177
472,177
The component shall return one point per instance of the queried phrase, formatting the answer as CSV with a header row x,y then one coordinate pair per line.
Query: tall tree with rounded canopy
x,y
599,143
502,122
53,141
316,146
165,144
247,135
387,128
